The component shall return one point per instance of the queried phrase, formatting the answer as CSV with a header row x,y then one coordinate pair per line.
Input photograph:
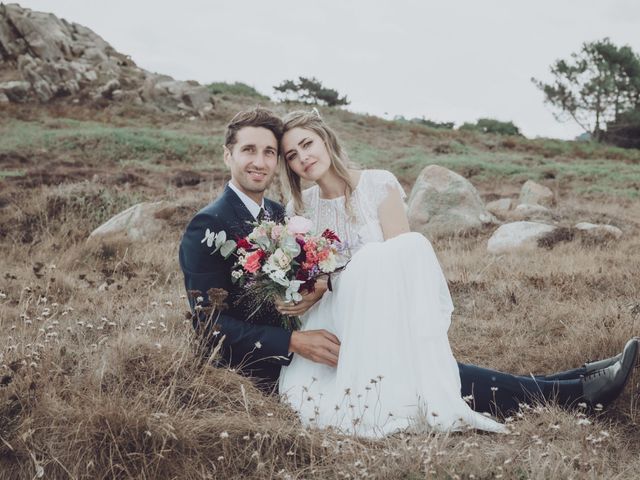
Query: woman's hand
x,y
309,299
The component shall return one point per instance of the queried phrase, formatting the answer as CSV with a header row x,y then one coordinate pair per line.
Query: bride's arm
x,y
392,215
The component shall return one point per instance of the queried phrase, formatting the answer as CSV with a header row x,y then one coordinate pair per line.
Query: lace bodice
x,y
359,226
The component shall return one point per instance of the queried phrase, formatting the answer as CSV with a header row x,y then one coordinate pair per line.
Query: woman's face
x,y
305,153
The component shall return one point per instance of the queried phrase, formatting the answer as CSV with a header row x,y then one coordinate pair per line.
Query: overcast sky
x,y
455,60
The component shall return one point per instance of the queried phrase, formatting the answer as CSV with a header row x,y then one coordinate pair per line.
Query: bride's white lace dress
x,y
391,310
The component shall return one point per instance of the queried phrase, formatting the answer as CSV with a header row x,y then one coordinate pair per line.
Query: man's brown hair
x,y
257,117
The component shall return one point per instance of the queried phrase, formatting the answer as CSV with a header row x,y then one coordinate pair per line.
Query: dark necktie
x,y
261,214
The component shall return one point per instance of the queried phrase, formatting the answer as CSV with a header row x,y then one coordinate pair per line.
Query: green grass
x,y
11,173
236,88
112,142
602,175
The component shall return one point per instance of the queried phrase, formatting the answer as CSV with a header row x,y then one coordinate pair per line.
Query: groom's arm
x,y
244,342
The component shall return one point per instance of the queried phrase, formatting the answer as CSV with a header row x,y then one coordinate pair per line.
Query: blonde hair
x,y
339,159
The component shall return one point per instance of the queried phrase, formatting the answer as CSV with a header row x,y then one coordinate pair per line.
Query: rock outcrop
x,y
517,236
443,202
43,57
533,193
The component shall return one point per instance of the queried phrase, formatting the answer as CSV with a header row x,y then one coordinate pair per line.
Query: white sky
x,y
454,60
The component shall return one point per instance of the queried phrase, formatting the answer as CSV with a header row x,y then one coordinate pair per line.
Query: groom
x,y
257,345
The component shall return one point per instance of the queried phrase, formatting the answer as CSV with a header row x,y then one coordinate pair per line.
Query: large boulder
x,y
527,211
533,193
517,236
500,207
139,222
43,57
443,202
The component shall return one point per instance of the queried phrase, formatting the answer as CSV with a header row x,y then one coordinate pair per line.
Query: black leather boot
x,y
604,385
591,367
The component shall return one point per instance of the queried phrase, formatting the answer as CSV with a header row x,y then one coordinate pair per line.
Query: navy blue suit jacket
x,y
202,271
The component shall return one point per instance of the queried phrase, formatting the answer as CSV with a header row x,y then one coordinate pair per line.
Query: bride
x,y
390,308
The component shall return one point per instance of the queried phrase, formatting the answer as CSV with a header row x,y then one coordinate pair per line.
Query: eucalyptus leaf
x,y
221,238
227,248
290,247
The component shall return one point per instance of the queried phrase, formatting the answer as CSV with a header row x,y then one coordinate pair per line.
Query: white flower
x,y
329,265
258,345
292,291
209,237
224,435
236,274
280,259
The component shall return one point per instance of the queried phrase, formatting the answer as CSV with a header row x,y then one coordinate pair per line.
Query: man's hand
x,y
309,299
318,346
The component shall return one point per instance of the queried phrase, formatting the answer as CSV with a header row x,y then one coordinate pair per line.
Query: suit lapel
x,y
240,217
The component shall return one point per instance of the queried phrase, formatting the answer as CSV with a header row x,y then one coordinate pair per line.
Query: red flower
x,y
244,243
254,260
330,235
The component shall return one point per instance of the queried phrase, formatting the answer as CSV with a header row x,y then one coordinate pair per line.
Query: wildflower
x,y
584,421
224,435
258,345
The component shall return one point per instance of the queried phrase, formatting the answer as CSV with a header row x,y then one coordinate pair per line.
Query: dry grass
x,y
99,378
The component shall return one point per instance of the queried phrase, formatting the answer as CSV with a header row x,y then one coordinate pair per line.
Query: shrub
x,y
310,90
625,130
490,125
236,88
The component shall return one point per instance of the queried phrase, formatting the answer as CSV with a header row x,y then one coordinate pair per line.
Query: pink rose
x,y
299,225
276,232
254,260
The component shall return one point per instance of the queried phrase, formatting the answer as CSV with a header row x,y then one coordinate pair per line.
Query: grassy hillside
x,y
98,373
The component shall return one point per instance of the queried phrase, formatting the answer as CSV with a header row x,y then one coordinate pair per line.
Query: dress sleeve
x,y
381,183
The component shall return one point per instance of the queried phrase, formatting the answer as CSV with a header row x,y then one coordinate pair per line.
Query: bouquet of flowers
x,y
280,260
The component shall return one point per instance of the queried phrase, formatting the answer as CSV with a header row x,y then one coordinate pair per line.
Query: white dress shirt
x,y
252,206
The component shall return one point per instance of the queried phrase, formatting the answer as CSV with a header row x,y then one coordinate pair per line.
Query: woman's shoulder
x,y
307,199
377,177
378,182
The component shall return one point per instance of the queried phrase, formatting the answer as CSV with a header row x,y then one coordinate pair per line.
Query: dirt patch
x,y
186,178
559,235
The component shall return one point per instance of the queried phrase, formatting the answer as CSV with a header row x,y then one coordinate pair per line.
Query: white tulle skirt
x,y
391,310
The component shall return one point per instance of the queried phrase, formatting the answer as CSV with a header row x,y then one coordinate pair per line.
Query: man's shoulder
x,y
217,210
272,204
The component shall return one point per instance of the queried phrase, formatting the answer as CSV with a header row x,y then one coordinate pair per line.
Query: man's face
x,y
252,160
